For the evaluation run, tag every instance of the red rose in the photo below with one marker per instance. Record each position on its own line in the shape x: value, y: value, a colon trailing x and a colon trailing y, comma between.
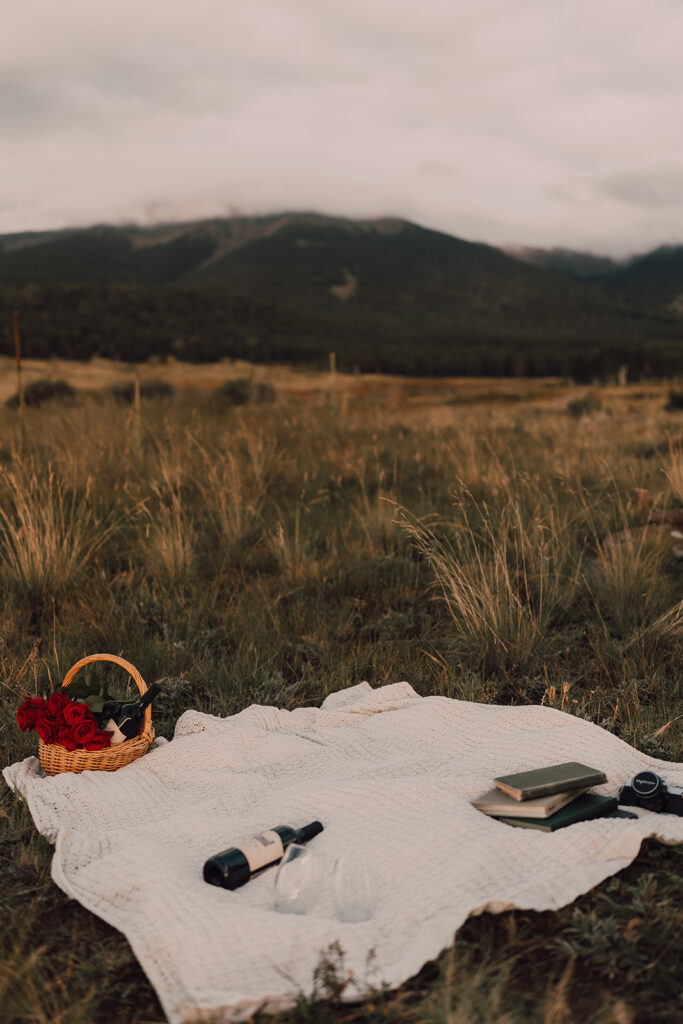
x: 65, y: 739
x: 42, y: 715
x: 46, y: 730
x: 75, y: 713
x: 56, y: 702
x: 84, y: 731
x: 34, y: 702
x: 26, y: 717
x: 100, y: 741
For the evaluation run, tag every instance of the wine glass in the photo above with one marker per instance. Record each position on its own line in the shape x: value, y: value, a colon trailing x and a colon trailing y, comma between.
x: 296, y: 880
x: 352, y: 890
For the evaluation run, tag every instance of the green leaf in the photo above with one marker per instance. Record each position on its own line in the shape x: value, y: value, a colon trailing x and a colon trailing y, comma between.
x: 79, y: 689
x: 95, y: 702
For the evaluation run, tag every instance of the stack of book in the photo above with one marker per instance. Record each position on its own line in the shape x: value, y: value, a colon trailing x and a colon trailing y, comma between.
x: 548, y: 798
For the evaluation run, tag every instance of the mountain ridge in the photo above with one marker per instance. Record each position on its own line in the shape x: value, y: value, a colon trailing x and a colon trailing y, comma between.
x: 384, y: 293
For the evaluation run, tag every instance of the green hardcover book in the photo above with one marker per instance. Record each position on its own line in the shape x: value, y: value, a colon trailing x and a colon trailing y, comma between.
x: 585, y: 807
x: 556, y: 778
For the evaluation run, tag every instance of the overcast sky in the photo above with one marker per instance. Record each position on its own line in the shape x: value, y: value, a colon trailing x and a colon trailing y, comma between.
x: 536, y: 122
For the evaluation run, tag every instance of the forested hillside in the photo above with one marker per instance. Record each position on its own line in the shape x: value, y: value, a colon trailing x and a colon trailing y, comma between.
x: 385, y: 295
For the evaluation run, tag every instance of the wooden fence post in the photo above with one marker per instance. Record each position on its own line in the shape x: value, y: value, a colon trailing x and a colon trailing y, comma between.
x: 20, y: 382
x: 333, y: 382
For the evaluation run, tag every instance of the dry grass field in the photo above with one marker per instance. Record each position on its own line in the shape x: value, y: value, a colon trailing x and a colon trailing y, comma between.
x: 199, y: 379
x: 501, y: 541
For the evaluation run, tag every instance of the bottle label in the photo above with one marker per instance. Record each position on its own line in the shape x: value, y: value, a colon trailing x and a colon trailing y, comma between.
x: 262, y: 850
x: 117, y: 736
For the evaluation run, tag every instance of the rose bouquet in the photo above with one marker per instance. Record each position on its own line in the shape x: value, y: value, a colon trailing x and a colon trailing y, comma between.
x: 59, y: 719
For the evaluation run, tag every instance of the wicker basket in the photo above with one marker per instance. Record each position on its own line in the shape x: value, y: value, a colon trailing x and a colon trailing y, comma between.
x: 54, y: 758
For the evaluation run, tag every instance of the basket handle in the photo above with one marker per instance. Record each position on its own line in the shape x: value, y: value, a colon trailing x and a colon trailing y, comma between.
x: 131, y: 669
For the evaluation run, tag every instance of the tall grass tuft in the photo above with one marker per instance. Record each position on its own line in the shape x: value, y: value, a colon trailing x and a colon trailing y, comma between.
x: 291, y: 548
x: 49, y: 533
x: 169, y: 538
x: 626, y: 583
x: 231, y: 492
x: 674, y: 473
x: 505, y: 579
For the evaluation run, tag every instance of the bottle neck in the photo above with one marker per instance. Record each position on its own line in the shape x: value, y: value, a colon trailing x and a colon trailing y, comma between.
x: 148, y: 696
x: 309, y: 831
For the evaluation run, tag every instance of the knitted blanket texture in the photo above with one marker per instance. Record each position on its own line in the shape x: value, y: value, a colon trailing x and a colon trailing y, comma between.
x: 390, y: 775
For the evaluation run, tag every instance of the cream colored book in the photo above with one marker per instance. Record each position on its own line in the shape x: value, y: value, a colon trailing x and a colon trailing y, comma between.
x: 497, y: 804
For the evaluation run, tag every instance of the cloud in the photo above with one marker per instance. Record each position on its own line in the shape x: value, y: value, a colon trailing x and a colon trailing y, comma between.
x: 505, y: 120
x: 653, y: 187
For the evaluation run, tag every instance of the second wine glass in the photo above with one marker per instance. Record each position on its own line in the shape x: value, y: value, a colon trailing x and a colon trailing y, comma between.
x: 296, y: 880
x: 352, y: 889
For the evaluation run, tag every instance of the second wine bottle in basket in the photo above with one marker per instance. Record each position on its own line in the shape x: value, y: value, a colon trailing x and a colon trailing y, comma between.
x: 127, y: 722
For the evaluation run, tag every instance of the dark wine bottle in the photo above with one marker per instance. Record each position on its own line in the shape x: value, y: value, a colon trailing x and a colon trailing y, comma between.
x: 129, y: 719
x: 232, y: 868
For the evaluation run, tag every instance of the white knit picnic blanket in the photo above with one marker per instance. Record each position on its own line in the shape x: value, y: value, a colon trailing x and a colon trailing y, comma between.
x: 391, y: 776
